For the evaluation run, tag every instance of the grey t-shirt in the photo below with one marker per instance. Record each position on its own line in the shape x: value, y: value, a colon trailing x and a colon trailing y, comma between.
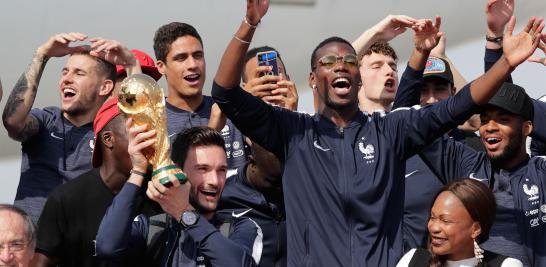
x: 504, y: 236
x: 59, y: 152
x: 179, y: 120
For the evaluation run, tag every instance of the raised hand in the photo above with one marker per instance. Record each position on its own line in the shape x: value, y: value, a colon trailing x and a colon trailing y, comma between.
x: 174, y: 200
x: 440, y: 49
x: 498, y: 13
x: 59, y: 45
x: 140, y: 143
x: 392, y: 26
x: 256, y: 10
x: 541, y: 46
x: 111, y: 51
x: 285, y: 96
x: 427, y: 35
x: 518, y: 48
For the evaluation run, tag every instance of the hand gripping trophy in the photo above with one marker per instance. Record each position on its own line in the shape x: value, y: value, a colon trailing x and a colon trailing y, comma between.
x: 141, y: 99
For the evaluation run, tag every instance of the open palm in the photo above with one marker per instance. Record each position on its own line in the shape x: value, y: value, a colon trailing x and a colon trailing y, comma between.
x: 517, y: 48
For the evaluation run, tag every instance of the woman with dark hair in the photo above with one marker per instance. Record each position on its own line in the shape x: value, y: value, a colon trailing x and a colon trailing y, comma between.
x: 460, y: 219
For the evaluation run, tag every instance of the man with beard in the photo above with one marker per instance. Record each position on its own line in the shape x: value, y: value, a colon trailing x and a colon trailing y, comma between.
x: 343, y: 172
x: 255, y: 191
x: 187, y: 238
x: 516, y: 180
x: 180, y: 58
x: 57, y: 142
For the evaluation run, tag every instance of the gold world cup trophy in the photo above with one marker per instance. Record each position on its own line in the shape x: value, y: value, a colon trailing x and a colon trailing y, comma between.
x: 142, y: 99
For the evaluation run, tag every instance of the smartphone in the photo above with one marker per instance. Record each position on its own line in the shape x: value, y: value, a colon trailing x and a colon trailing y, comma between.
x: 268, y: 58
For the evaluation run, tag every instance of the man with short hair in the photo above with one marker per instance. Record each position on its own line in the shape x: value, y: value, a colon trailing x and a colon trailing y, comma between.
x: 73, y: 211
x: 256, y: 190
x: 17, y: 236
x: 185, y: 236
x: 180, y: 57
x: 57, y: 142
x: 274, y: 89
x: 346, y: 197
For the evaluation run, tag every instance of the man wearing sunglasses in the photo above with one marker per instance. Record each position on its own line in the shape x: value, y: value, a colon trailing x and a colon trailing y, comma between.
x: 343, y: 172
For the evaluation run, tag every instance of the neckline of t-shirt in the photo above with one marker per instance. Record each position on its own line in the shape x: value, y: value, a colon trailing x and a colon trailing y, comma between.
x: 173, y: 108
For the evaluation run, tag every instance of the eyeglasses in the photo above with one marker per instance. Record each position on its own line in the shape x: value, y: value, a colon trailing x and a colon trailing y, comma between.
x: 329, y: 61
x: 14, y: 246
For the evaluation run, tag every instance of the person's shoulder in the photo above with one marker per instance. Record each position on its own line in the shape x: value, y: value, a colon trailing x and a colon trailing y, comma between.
x: 86, y: 181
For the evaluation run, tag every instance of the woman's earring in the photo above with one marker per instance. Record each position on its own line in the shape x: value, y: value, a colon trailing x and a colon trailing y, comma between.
x: 478, y: 252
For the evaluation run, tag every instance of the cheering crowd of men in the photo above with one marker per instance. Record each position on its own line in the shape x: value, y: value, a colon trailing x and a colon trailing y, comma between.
x: 351, y: 185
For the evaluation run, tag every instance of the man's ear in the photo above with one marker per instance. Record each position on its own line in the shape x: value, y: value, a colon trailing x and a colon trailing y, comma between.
x: 107, y: 139
x: 312, y: 81
x: 527, y: 128
x: 106, y: 88
x: 160, y: 66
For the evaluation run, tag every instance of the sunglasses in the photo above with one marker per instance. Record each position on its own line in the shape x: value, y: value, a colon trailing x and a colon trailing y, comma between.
x: 329, y: 61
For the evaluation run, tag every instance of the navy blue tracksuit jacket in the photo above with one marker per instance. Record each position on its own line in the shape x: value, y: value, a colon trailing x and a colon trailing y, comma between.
x: 123, y: 235
x: 240, y: 198
x: 344, y: 187
x: 452, y: 160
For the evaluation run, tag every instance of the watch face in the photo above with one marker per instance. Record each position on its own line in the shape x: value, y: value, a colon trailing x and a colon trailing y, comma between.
x: 189, y: 218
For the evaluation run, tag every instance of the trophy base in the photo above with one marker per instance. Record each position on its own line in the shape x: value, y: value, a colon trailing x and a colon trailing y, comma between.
x: 163, y: 173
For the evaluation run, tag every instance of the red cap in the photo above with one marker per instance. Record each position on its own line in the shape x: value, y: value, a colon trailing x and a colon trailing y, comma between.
x: 107, y: 112
x: 146, y: 63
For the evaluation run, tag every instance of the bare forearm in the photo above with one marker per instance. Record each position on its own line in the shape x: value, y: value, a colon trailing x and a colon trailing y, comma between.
x: 16, y: 117
x: 487, y: 85
x: 418, y: 59
x: 364, y: 41
x: 231, y: 65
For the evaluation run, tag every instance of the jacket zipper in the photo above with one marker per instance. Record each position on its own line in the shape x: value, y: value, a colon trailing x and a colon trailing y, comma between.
x: 346, y: 193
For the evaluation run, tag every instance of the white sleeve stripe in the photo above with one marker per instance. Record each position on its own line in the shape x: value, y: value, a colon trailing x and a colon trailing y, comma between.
x: 258, y: 246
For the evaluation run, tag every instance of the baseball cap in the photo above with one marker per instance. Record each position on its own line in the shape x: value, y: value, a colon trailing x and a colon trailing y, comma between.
x: 107, y: 112
x: 147, y: 65
x: 513, y: 99
x: 438, y: 67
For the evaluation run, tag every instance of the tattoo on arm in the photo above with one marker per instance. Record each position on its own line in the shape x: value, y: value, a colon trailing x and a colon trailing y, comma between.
x: 21, y: 99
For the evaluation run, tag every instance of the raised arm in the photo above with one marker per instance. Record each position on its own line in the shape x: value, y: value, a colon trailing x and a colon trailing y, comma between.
x: 115, y: 53
x: 19, y: 123
x: 516, y: 49
x: 119, y: 235
x: 426, y: 37
x: 230, y: 68
x: 385, y: 30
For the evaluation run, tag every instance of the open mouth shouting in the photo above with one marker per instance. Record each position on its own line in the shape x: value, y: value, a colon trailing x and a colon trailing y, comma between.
x: 389, y: 85
x: 341, y: 86
x: 210, y: 194
x: 68, y: 93
x: 192, y: 79
x: 492, y: 142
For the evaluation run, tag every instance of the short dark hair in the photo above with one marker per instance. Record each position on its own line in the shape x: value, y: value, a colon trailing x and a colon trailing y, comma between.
x: 168, y: 33
x: 382, y: 48
x: 105, y: 68
x: 195, y: 136
x: 30, y: 226
x: 254, y: 51
x: 333, y: 39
